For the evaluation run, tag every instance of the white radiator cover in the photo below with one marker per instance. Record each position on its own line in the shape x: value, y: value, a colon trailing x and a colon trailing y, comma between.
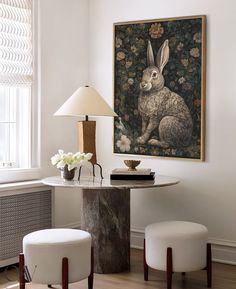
x: 20, y: 214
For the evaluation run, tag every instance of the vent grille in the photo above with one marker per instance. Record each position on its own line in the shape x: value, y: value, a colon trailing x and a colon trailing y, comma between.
x: 19, y: 215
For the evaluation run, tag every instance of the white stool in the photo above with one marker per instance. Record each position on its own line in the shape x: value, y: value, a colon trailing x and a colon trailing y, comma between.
x: 56, y: 256
x: 177, y: 246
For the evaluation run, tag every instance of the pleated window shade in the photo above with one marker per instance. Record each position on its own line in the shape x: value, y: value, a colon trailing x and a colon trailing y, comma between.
x: 16, y: 50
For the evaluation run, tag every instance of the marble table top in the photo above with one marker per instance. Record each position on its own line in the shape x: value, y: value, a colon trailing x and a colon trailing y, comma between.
x: 98, y: 183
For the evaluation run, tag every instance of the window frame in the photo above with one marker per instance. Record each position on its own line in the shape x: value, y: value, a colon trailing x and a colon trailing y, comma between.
x: 34, y: 172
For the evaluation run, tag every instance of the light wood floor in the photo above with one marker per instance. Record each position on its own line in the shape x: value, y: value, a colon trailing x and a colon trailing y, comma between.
x: 224, y: 277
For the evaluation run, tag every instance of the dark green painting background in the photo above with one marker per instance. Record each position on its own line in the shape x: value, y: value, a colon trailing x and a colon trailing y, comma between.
x: 182, y: 75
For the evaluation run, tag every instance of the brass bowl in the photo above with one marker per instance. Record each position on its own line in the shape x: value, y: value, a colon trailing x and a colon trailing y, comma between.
x: 132, y: 164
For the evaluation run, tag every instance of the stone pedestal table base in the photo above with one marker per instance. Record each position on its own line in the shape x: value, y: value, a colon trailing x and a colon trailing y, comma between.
x: 106, y: 215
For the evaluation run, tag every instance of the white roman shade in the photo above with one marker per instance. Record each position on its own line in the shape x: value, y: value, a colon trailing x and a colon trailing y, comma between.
x: 16, y: 59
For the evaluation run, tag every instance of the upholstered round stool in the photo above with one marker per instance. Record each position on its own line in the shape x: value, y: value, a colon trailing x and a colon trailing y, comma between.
x: 177, y: 246
x: 56, y: 256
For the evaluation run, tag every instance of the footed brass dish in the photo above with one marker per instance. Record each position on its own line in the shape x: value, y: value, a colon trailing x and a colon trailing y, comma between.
x: 132, y: 164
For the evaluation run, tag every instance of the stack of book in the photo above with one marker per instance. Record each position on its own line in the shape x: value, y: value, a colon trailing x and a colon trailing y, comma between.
x: 125, y: 174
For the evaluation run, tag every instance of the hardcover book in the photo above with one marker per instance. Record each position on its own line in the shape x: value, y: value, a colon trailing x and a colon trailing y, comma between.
x: 150, y: 176
x: 124, y: 171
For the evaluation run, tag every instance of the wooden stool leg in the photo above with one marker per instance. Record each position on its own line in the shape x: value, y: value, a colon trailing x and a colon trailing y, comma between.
x: 169, y: 268
x: 21, y: 271
x: 145, y: 265
x: 65, y: 273
x: 90, y: 277
x: 209, y: 266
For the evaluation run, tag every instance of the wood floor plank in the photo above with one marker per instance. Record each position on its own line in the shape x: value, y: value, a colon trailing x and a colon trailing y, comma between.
x: 224, y: 277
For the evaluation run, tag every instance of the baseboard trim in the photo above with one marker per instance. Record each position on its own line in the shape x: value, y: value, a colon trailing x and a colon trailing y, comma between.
x: 223, y: 251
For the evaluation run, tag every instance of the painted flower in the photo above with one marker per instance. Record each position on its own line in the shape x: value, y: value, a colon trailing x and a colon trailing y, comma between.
x: 156, y: 30
x: 132, y: 74
x: 125, y: 77
x: 187, y: 86
x: 181, y: 80
x: 185, y: 62
x: 197, y: 102
x: 118, y: 42
x: 128, y: 64
x: 142, y: 150
x: 119, y: 124
x: 180, y: 46
x: 172, y: 84
x: 194, y: 52
x: 130, y: 81
x: 125, y: 87
x: 134, y: 49
x: 180, y: 73
x: 140, y: 42
x: 123, y: 144
x: 120, y: 56
x: 197, y: 37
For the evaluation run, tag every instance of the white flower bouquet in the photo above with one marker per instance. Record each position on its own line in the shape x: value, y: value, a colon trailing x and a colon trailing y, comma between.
x: 62, y: 159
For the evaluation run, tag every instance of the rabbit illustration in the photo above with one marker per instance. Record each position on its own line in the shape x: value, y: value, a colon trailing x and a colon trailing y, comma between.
x: 160, y: 108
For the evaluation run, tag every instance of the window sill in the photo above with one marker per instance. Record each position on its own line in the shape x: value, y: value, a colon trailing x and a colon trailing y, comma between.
x: 8, y: 176
x: 21, y: 185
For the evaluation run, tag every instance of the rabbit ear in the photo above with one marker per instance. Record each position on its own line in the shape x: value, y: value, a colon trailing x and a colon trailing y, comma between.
x: 163, y: 55
x: 150, y: 56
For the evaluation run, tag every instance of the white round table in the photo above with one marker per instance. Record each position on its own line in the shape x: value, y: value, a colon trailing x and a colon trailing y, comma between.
x: 105, y: 213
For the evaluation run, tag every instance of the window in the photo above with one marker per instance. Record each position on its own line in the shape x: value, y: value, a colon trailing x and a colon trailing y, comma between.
x: 16, y: 84
x: 15, y: 127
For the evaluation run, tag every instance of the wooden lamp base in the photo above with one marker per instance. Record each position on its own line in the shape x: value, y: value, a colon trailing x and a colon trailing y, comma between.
x: 87, y: 138
x: 87, y: 142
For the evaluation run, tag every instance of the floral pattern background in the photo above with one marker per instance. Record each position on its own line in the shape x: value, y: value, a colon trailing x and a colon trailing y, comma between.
x: 182, y: 75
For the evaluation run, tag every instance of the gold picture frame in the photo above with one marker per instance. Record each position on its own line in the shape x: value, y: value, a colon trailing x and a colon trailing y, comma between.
x: 159, y: 87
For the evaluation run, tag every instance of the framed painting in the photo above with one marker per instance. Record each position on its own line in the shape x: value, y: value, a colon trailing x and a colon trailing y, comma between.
x: 159, y: 87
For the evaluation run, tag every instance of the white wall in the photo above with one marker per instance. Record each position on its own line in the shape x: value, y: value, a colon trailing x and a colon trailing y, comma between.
x: 207, y: 191
x: 64, y: 67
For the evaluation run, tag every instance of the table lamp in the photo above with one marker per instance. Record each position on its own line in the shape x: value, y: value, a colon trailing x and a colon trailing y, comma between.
x: 86, y: 101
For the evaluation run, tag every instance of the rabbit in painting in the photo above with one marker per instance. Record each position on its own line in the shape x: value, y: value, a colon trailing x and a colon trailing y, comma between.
x: 160, y: 107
